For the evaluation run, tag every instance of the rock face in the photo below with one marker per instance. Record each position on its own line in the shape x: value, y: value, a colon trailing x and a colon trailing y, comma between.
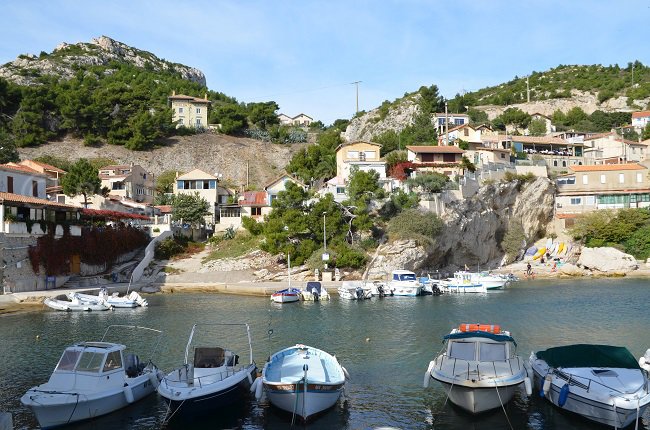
x: 607, y: 261
x: 370, y: 125
x: 473, y: 230
x: 99, y: 52
x: 401, y: 254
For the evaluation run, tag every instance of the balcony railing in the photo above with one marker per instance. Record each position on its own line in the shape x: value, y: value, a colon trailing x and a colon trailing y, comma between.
x: 20, y: 228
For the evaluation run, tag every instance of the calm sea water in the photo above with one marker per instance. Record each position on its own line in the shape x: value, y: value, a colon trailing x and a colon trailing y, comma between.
x: 386, y: 345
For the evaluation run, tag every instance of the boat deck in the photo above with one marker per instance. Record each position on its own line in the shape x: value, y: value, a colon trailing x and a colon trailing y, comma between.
x: 289, y: 368
x: 623, y: 381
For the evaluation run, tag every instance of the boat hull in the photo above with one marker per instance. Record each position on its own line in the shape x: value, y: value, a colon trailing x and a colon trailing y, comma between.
x: 285, y: 298
x: 192, y: 401
x: 293, y: 398
x: 477, y: 400
x: 56, y: 409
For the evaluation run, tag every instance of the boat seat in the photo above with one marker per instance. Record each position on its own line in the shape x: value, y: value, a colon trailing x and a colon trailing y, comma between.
x: 207, y: 357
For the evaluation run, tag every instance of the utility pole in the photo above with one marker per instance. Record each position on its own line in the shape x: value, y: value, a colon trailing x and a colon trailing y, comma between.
x: 446, y: 126
x: 356, y: 83
x: 528, y: 90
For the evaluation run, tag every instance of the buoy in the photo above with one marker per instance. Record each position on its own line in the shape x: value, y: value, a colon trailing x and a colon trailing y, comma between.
x: 564, y: 394
x: 641, y: 360
x: 367, y: 339
x: 528, y: 385
x: 547, y: 385
x: 38, y: 337
x: 259, y: 390
x: 128, y: 393
x: 254, y: 384
x: 345, y: 372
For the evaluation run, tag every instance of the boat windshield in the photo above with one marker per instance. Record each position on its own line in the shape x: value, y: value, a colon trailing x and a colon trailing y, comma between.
x: 90, y: 362
x: 492, y: 351
x: 68, y: 360
x: 113, y: 361
x: 404, y: 277
x: 462, y: 350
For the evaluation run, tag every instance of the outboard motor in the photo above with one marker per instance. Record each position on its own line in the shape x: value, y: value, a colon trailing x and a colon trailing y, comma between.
x: 314, y: 292
x: 436, y: 291
x: 359, y: 293
x: 380, y: 290
x: 132, y: 365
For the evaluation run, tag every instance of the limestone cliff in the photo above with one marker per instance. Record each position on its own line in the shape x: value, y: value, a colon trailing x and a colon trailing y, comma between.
x: 474, y: 229
x: 66, y: 58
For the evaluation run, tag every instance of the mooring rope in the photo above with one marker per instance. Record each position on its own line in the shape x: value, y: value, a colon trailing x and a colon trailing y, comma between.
x: 496, y: 387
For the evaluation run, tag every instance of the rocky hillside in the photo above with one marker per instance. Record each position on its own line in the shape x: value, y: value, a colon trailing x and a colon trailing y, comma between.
x: 473, y: 230
x: 212, y: 153
x: 65, y: 58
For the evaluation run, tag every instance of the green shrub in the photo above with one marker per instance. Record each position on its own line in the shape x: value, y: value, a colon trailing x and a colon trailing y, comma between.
x: 513, y: 241
x: 639, y: 243
x: 168, y: 248
x: 255, y: 228
x: 415, y: 224
x: 350, y: 257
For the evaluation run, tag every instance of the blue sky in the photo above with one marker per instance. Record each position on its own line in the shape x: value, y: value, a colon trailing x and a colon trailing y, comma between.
x: 305, y: 54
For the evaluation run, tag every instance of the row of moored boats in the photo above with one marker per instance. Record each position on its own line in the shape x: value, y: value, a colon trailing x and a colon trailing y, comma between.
x: 101, y: 302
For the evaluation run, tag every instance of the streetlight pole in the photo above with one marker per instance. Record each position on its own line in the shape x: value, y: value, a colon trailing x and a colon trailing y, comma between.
x: 446, y: 126
x: 324, y: 235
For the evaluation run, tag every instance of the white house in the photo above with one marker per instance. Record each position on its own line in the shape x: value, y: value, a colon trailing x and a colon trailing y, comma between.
x: 207, y: 185
x: 640, y: 119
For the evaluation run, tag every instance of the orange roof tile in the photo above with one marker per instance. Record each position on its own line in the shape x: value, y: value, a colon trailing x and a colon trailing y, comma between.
x: 20, y: 168
x: 45, y: 166
x: 641, y: 114
x: 188, y: 98
x: 607, y: 167
x: 253, y: 198
x: 441, y: 149
x: 19, y: 198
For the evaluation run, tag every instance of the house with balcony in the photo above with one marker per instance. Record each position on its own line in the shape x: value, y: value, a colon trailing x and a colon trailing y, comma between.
x: 640, y: 120
x: 443, y: 121
x: 189, y: 111
x: 477, y: 151
x: 131, y: 182
x: 207, y: 185
x: 442, y: 159
x: 603, y: 186
x: 54, y: 176
x: 610, y: 148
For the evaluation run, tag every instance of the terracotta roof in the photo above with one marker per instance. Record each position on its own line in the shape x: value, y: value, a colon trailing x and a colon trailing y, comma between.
x: 21, y: 168
x: 458, y: 127
x: 253, y: 198
x: 641, y: 114
x: 617, y: 138
x: 115, y: 167
x: 45, y: 166
x: 355, y: 142
x: 188, y: 98
x: 567, y: 216
x: 19, y: 198
x: 282, y: 176
x: 440, y: 149
x: 165, y: 209
x: 606, y: 167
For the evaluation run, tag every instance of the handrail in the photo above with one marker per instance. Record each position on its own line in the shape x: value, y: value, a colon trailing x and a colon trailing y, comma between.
x: 441, y: 358
x: 223, y: 374
x: 571, y: 380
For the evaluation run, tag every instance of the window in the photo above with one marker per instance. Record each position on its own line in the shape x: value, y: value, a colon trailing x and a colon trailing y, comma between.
x: 503, y: 155
x: 554, y: 163
x: 113, y: 361
x: 459, y: 121
x: 621, y: 178
x: 427, y: 158
x: 353, y: 154
x: 34, y: 188
x: 90, y: 361
x: 576, y: 200
x: 585, y: 180
x: 206, y: 184
x: 449, y: 158
x: 492, y: 351
x: 180, y: 110
x: 603, y: 179
x: 198, y: 121
x: 370, y: 155
x: 441, y: 121
x: 256, y: 211
x: 466, y: 132
x: 68, y: 360
x: 462, y: 350
x: 10, y: 184
x: 564, y: 163
x: 639, y: 177
x: 213, y: 184
x: 180, y: 121
x: 198, y: 110
x: 340, y: 190
x: 180, y: 185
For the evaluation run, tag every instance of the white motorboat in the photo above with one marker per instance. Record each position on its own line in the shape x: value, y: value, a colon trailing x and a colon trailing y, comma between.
x: 404, y: 283
x: 354, y: 290
x: 644, y: 361
x: 490, y: 281
x: 430, y: 286
x: 602, y: 383
x: 479, y: 368
x: 314, y: 291
x: 211, y: 376
x: 132, y: 300
x: 75, y: 305
x: 302, y: 380
x: 92, y: 379
x: 288, y: 295
x: 462, y: 282
x: 378, y: 289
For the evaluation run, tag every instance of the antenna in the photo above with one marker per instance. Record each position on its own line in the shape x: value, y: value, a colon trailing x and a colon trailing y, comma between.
x: 357, y: 85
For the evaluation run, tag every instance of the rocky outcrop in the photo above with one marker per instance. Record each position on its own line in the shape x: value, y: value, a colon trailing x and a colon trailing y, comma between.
x: 607, y: 261
x: 368, y: 126
x: 401, y: 254
x: 66, y: 58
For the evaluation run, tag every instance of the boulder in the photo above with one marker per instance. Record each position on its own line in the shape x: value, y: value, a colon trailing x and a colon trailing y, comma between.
x: 401, y: 254
x: 608, y: 261
x: 569, y: 269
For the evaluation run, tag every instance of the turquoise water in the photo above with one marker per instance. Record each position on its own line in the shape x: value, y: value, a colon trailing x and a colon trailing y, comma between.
x: 386, y: 345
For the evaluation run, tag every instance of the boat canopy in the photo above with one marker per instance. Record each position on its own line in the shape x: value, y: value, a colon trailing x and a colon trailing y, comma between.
x: 468, y: 334
x: 586, y: 355
x: 313, y: 284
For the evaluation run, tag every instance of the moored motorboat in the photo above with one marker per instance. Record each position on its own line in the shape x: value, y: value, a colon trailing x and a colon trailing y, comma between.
x: 132, y: 300
x: 479, y: 368
x: 92, y: 379
x: 644, y: 361
x: 354, y: 290
x: 288, y: 295
x: 404, y: 283
x: 602, y: 383
x: 210, y: 376
x: 314, y: 291
x: 76, y: 305
x: 462, y: 282
x: 302, y: 380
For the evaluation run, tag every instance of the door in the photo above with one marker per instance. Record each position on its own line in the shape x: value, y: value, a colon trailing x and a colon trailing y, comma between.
x: 75, y: 264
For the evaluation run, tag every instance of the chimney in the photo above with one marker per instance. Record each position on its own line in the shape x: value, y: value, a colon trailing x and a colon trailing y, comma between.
x: 205, y: 97
x: 173, y: 92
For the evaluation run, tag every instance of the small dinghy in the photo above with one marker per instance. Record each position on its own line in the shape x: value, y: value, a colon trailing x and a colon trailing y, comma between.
x: 479, y: 368
x: 76, y: 305
x: 602, y: 383
x: 92, y: 379
x: 288, y: 295
x: 211, y: 376
x: 301, y: 380
x: 132, y: 300
x: 314, y: 291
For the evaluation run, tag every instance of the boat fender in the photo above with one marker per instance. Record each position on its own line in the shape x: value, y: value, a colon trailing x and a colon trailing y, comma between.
x: 345, y: 372
x: 528, y: 385
x: 153, y: 378
x: 250, y: 378
x: 546, y: 386
x: 128, y: 394
x: 254, y: 384
x: 427, y: 376
x: 564, y: 394
x: 259, y: 390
